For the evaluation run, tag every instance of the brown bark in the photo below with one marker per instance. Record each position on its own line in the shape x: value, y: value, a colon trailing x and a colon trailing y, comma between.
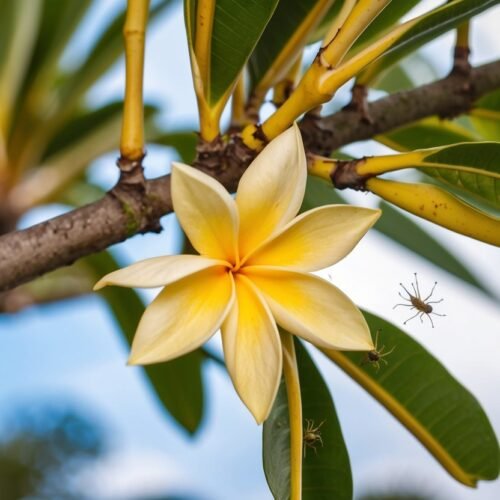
x: 130, y: 209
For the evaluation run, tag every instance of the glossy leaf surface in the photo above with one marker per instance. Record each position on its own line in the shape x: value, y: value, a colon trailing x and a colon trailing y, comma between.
x: 326, y: 468
x: 421, y: 393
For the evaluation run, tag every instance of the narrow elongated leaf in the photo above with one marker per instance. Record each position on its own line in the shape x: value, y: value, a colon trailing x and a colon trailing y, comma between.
x: 419, y: 31
x: 438, y: 206
x: 427, y: 133
x: 428, y: 401
x: 284, y: 37
x: 326, y: 472
x: 18, y: 27
x: 105, y: 52
x: 183, y: 141
x: 473, y: 167
x: 485, y: 116
x: 59, y: 21
x: 178, y: 384
x: 383, y: 22
x: 412, y: 71
x: 237, y: 26
x: 402, y: 230
x: 319, y: 193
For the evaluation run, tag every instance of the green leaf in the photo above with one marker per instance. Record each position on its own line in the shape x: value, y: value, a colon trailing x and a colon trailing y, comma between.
x: 403, y: 231
x: 184, y: 142
x: 18, y: 27
x: 473, y: 167
x: 413, y: 71
x: 177, y: 384
x: 383, y: 22
x: 424, y: 134
x: 59, y: 22
x: 485, y: 116
x: 285, y: 36
x: 318, y: 193
x: 326, y: 473
x: 104, y: 53
x: 424, y: 29
x: 237, y: 26
x: 276, y: 446
x: 428, y: 401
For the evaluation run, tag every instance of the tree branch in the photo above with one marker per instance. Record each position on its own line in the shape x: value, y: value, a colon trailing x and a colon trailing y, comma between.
x: 128, y: 210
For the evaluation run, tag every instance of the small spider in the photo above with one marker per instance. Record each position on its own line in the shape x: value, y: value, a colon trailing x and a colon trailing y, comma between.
x: 423, y: 307
x: 312, y: 435
x: 377, y: 355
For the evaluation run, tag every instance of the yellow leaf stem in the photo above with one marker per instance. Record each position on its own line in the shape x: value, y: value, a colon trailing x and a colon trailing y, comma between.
x: 323, y: 78
x: 291, y: 374
x: 134, y: 32
x: 438, y: 206
x: 402, y: 414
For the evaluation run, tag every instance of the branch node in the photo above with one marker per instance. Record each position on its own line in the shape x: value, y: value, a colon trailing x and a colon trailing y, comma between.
x: 131, y: 171
x: 359, y: 103
x: 345, y: 176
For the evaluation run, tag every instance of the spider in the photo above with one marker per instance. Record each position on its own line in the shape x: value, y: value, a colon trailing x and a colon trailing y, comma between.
x: 423, y: 307
x: 312, y: 435
x: 377, y: 355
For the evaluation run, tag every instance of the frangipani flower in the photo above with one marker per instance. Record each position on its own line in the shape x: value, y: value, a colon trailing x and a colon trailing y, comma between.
x: 252, y: 272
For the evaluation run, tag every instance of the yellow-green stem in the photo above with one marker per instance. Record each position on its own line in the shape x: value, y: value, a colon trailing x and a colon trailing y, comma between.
x: 238, y: 115
x: 321, y: 167
x: 291, y: 373
x: 339, y: 20
x: 134, y: 31
x: 321, y: 81
x: 203, y: 36
x: 359, y: 18
x: 284, y: 88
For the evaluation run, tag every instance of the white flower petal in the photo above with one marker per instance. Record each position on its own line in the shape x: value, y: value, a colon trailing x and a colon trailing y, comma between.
x: 252, y: 349
x: 206, y: 212
x: 312, y: 308
x: 158, y: 271
x: 316, y: 239
x: 271, y: 190
x: 183, y: 316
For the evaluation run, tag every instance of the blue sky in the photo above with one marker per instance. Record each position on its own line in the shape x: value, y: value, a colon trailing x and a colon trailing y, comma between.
x: 73, y: 351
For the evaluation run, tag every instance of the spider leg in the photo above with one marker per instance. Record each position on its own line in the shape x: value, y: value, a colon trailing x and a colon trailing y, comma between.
x: 430, y: 319
x: 389, y: 352
x: 409, y: 294
x: 384, y: 361
x: 403, y: 297
x: 442, y: 315
x: 421, y: 315
x: 404, y: 305
x: 432, y: 291
x: 411, y: 318
x: 376, y: 338
x: 435, y: 301
x: 415, y: 291
x: 416, y: 281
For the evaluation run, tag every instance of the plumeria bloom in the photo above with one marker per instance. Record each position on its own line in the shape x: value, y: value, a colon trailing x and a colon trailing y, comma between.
x: 252, y: 272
